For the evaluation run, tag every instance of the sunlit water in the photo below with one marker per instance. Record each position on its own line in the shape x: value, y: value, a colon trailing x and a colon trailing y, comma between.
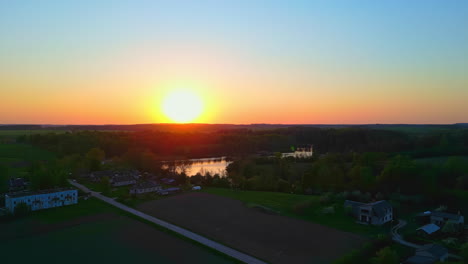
x: 208, y: 165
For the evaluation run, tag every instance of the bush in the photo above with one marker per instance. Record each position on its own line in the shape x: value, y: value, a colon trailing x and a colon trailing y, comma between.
x: 22, y: 209
x: 300, y: 208
x: 328, y: 210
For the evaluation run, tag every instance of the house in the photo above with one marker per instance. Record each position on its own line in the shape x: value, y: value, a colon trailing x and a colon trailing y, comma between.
x: 441, y: 218
x: 41, y: 199
x: 168, y: 181
x: 428, y: 254
x: 145, y: 187
x: 122, y: 180
x: 428, y: 229
x: 96, y: 176
x: 169, y: 191
x: 376, y: 213
x: 17, y: 184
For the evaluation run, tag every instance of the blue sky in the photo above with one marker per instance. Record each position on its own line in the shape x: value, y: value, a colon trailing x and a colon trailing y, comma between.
x: 366, y: 51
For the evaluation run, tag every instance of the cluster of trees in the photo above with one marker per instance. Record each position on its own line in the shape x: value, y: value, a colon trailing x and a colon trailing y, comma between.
x: 241, y: 142
x: 354, y: 158
x: 367, y: 172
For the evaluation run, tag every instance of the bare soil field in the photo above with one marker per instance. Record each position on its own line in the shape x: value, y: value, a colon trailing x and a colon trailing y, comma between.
x: 99, y: 238
x: 274, y: 238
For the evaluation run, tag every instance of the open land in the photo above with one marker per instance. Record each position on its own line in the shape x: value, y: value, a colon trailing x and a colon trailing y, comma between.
x: 274, y: 238
x: 93, y: 232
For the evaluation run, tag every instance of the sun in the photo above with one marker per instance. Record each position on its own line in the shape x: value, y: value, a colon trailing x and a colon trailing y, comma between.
x: 182, y: 106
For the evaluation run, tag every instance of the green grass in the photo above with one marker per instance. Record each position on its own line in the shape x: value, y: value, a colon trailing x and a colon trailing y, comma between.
x: 305, y: 207
x: 83, y: 208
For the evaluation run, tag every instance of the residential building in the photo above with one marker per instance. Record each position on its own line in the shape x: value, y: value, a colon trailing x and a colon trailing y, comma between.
x: 168, y: 181
x: 17, y: 184
x: 145, y: 187
x: 428, y: 229
x: 41, y: 199
x: 122, y: 180
x: 428, y: 254
x: 376, y: 213
x: 441, y: 218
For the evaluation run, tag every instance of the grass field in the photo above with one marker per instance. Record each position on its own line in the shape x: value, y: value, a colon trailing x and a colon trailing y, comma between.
x: 94, y: 232
x: 306, y: 207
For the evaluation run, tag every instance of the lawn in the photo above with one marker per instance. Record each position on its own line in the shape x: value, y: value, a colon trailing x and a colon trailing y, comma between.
x: 306, y: 207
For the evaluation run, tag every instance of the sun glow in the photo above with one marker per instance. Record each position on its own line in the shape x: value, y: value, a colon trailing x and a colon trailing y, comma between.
x: 182, y: 106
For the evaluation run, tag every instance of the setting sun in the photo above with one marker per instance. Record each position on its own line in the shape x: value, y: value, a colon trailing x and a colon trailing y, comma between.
x: 182, y: 106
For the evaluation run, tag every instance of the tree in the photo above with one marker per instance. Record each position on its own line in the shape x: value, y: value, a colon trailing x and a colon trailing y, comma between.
x: 450, y: 228
x: 3, y: 179
x: 386, y: 256
x: 105, y: 182
x: 22, y: 209
x: 464, y: 252
x: 94, y: 157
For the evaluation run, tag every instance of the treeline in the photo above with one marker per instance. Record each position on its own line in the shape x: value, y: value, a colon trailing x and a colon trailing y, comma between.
x: 241, y: 142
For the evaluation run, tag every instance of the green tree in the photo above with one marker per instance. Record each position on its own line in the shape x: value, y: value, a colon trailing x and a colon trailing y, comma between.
x: 105, y: 185
x: 4, y: 176
x: 386, y: 256
x: 94, y: 157
x: 464, y: 252
x: 22, y: 209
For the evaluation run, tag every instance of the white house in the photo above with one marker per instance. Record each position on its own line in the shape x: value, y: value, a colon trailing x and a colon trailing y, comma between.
x: 376, y: 213
x: 41, y: 199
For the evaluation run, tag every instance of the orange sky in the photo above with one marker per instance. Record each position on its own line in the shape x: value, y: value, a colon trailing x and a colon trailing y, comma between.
x: 77, y: 63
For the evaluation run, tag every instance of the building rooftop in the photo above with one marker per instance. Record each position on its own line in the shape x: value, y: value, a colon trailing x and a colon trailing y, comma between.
x: 429, y: 228
x: 29, y: 193
x: 450, y: 216
x: 433, y: 249
x: 145, y: 185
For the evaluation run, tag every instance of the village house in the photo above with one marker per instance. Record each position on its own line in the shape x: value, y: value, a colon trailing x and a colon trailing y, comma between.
x: 145, y: 187
x: 441, y: 218
x: 376, y: 213
x: 122, y: 180
x: 428, y: 229
x: 17, y: 184
x: 41, y: 199
x: 428, y: 254
x: 96, y: 176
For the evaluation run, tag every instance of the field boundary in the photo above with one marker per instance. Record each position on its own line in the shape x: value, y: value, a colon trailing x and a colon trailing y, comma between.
x: 181, y: 231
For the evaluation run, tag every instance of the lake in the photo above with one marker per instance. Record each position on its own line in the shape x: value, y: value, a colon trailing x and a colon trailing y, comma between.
x: 193, y: 166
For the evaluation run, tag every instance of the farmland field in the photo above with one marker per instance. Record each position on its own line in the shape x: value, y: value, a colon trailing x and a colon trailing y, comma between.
x: 274, y: 238
x: 93, y: 232
x: 305, y: 207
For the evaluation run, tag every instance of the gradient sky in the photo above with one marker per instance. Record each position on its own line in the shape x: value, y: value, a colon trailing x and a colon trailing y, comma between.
x: 102, y: 62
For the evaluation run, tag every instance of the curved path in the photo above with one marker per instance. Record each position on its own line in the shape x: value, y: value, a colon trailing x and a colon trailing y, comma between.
x: 200, y: 239
x: 399, y: 239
